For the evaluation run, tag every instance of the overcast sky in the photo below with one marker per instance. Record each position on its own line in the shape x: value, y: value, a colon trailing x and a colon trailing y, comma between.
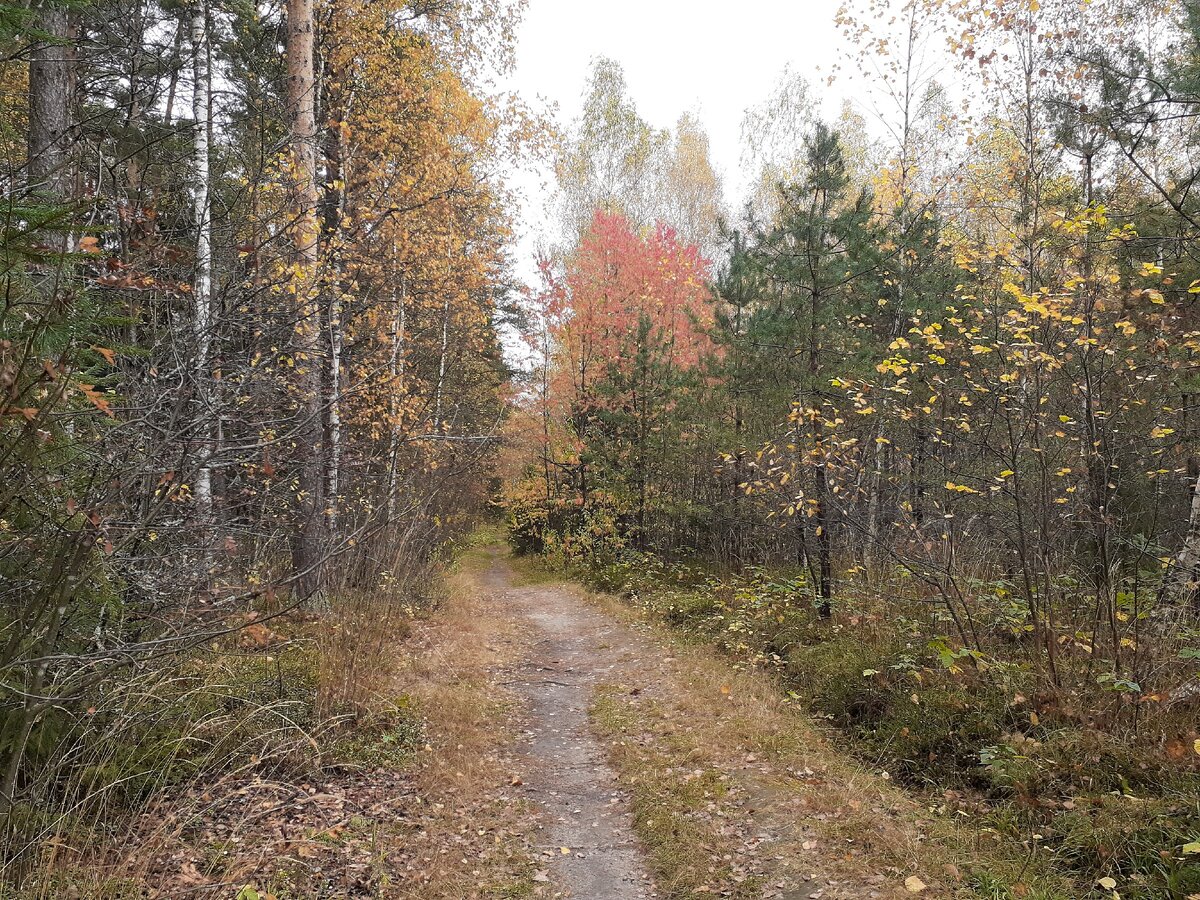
x: 712, y: 59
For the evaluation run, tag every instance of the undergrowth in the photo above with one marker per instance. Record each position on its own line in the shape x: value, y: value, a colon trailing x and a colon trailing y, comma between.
x: 292, y: 699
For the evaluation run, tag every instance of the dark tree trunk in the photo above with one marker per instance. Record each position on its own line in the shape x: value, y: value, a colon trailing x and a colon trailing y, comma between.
x: 307, y: 547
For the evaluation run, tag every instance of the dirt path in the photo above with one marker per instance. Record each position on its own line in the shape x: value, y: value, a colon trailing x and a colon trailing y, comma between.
x: 659, y: 770
x: 587, y: 835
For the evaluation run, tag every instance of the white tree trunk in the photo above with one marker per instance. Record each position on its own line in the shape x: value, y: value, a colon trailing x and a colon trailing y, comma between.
x: 1188, y: 558
x: 202, y: 284
x: 396, y: 367
x: 441, y: 381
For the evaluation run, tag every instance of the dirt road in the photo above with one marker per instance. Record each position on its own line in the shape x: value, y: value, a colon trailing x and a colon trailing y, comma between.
x: 571, y: 748
x: 735, y: 795
x: 587, y: 833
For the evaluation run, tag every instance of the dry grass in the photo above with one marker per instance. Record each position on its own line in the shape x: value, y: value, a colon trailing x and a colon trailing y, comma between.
x: 475, y: 840
x: 400, y: 783
x: 830, y: 821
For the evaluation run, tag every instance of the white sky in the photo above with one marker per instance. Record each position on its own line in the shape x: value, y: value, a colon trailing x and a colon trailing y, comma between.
x: 712, y: 59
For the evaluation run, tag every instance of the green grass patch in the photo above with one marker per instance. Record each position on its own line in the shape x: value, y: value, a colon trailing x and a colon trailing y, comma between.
x: 673, y: 805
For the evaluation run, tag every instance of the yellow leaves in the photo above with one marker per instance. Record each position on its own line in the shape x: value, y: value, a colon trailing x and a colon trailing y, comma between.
x: 895, y: 365
x: 1126, y: 327
x: 1194, y: 287
x: 1149, y: 270
x: 1159, y: 432
x: 980, y: 349
x: 960, y: 488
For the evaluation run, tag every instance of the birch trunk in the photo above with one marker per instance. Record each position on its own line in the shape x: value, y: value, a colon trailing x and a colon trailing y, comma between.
x: 333, y: 462
x: 202, y: 283
x: 441, y: 380
x: 1187, y: 560
x: 396, y: 368
x: 334, y: 210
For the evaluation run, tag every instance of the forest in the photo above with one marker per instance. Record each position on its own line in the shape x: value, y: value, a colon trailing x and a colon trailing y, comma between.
x: 847, y: 519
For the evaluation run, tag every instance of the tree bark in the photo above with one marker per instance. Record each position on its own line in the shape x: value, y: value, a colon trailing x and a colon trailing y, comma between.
x: 334, y: 210
x: 301, y: 96
x: 49, y: 170
x: 396, y: 370
x: 441, y: 379
x: 202, y: 282
x: 1187, y: 560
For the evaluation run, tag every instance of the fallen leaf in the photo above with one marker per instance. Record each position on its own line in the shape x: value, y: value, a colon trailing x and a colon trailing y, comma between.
x: 914, y: 885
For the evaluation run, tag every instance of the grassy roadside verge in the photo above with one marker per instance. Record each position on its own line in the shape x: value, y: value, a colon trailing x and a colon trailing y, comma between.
x: 736, y: 792
x: 404, y: 796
